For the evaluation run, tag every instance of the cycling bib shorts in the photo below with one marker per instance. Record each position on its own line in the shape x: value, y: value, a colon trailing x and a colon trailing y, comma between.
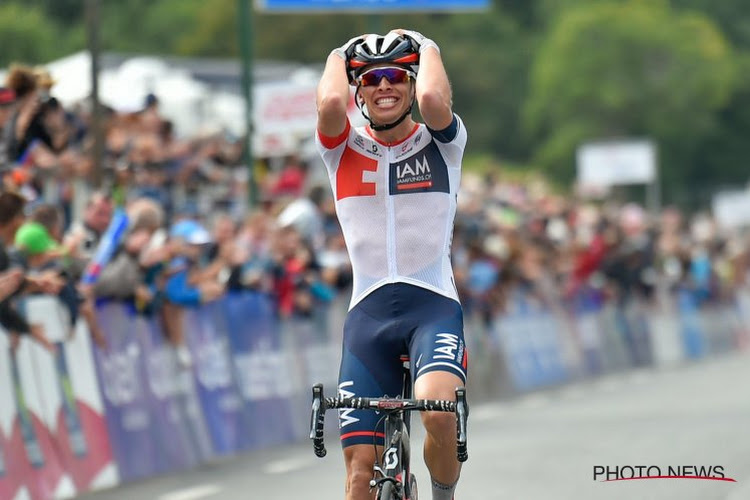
x: 392, y: 322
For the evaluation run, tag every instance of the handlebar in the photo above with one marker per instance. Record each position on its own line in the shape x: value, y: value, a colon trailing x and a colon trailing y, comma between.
x: 321, y: 403
x: 317, y: 422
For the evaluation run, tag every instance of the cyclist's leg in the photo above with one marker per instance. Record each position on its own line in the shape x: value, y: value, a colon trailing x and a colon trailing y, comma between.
x: 370, y: 367
x: 440, y: 362
x: 440, y: 441
x: 359, y: 459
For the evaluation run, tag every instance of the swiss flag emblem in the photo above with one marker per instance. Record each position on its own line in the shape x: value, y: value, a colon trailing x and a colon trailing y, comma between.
x: 349, y: 175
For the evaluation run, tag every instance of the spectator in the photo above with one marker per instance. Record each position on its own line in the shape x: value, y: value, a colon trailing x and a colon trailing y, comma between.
x: 305, y: 214
x: 186, y: 285
x: 255, y: 240
x: 291, y: 180
x: 7, y: 102
x: 128, y: 276
x: 11, y: 319
x: 83, y: 237
x: 38, y: 242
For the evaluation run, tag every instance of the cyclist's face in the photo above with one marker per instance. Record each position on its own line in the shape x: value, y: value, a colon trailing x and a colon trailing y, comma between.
x: 388, y: 97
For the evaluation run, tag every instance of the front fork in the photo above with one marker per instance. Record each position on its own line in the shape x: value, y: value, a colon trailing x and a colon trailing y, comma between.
x: 396, y: 458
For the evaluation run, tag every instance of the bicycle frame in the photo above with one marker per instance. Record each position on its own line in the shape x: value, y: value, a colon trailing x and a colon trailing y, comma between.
x: 397, y: 452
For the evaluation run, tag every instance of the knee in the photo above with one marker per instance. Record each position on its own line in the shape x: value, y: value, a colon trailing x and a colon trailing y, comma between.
x: 440, y: 426
x: 358, y: 478
x: 359, y: 471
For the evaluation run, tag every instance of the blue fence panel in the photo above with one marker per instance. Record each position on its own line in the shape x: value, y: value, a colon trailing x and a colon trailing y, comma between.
x: 122, y: 372
x: 218, y: 393
x: 263, y: 368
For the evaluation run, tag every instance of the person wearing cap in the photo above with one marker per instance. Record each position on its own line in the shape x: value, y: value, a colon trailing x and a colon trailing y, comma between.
x: 40, y: 253
x: 183, y: 287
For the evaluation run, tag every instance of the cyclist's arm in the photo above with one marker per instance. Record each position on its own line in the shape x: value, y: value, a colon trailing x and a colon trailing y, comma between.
x: 333, y: 97
x: 434, y: 90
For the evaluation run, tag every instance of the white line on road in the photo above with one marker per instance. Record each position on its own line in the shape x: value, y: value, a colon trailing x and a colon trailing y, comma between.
x: 202, y: 491
x: 288, y: 465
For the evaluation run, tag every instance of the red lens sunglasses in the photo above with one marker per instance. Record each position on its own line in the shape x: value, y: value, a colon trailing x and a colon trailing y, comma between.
x: 392, y: 74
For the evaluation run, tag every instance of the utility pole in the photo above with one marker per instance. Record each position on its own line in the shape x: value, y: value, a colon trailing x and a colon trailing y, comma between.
x: 92, y: 31
x: 245, y: 21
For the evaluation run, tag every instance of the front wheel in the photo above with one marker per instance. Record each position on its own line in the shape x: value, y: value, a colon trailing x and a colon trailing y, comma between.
x: 412, y: 487
x: 388, y: 492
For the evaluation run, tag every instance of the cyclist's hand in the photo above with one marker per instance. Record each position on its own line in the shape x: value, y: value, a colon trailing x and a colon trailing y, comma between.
x: 422, y: 41
x: 344, y: 52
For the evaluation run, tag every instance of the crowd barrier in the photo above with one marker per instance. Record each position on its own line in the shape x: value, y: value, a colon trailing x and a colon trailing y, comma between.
x: 86, y: 418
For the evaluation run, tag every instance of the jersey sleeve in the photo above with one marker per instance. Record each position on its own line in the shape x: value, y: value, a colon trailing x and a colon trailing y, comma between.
x: 331, y: 148
x: 451, y: 141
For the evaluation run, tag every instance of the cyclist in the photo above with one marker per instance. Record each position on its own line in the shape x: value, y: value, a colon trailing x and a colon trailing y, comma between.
x: 395, y: 183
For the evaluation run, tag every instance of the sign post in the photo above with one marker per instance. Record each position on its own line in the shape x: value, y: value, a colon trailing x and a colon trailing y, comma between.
x: 605, y: 164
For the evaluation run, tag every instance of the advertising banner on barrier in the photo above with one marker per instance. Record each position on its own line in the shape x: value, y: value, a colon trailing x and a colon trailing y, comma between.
x: 40, y: 470
x: 183, y: 437
x: 73, y: 406
x: 122, y: 373
x: 13, y: 458
x: 533, y: 351
x: 219, y: 397
x: 262, y: 369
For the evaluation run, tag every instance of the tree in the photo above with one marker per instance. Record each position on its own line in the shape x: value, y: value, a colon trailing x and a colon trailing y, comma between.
x: 636, y: 68
x: 27, y: 36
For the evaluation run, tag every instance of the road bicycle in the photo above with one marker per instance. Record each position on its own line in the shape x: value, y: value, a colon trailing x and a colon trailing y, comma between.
x: 392, y: 474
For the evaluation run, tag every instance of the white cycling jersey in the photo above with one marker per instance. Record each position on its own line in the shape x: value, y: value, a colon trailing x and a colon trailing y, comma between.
x: 396, y: 204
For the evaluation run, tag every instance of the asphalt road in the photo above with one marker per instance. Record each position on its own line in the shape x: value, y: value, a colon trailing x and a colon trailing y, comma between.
x: 541, y: 446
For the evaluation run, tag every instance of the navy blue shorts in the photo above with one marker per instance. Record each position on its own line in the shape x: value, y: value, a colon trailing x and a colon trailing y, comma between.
x: 392, y: 323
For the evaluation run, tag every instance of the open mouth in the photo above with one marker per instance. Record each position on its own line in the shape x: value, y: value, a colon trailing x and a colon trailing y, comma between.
x: 386, y: 102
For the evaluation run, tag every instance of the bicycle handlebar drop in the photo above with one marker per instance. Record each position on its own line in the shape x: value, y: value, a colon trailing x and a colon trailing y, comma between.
x: 317, y: 423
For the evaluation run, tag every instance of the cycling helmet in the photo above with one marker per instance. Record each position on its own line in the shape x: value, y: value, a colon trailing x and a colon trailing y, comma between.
x: 393, y: 49
x: 378, y: 49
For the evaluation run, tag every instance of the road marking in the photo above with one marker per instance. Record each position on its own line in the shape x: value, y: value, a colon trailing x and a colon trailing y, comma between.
x: 202, y: 491
x: 287, y: 465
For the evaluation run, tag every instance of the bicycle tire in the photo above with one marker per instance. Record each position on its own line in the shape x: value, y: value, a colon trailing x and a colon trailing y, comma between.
x: 413, y: 487
x: 387, y: 492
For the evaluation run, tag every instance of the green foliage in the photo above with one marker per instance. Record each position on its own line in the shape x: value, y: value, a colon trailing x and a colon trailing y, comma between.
x: 628, y: 69
x: 733, y: 16
x: 28, y: 36
x: 144, y: 26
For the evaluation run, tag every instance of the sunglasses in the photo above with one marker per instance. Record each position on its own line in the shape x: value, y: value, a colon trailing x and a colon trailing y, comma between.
x: 392, y: 74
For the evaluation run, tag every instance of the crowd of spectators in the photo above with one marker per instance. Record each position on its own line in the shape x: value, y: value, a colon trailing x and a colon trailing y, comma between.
x: 192, y: 238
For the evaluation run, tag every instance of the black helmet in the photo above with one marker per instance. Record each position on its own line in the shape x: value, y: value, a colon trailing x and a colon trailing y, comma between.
x: 377, y: 49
